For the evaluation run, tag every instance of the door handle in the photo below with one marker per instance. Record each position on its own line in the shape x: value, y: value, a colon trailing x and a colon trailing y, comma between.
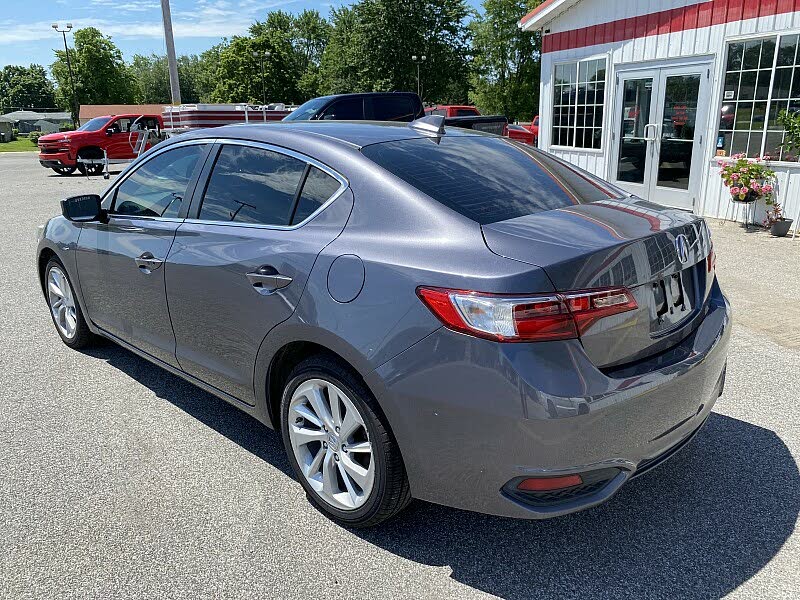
x: 147, y: 262
x: 130, y: 228
x: 266, y: 280
x: 655, y: 136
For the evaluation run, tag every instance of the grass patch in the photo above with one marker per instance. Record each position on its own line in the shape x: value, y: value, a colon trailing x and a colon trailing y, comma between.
x: 19, y: 145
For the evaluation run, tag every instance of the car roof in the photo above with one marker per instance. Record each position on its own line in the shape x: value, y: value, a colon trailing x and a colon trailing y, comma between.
x: 354, y: 134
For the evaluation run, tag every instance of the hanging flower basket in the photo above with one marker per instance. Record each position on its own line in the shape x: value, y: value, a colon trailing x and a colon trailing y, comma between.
x: 747, y: 179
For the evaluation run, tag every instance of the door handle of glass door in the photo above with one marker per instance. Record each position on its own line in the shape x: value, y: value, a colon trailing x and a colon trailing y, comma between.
x: 654, y: 136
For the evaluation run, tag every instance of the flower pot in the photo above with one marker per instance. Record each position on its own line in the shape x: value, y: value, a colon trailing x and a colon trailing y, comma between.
x: 781, y: 228
x: 751, y: 196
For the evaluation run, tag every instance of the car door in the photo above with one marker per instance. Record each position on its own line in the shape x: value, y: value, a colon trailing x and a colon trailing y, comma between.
x: 240, y: 264
x: 120, y: 262
x: 116, y: 145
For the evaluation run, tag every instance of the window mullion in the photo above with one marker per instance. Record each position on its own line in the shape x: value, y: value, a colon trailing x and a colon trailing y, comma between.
x: 769, y: 93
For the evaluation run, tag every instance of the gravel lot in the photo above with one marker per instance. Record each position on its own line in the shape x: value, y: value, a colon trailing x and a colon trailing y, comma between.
x: 120, y: 480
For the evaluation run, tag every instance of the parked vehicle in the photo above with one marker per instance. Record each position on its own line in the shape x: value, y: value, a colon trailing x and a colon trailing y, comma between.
x: 117, y: 135
x: 373, y: 106
x: 452, y: 110
x: 420, y: 311
x: 520, y: 134
x: 534, y: 127
x: 469, y: 117
x: 185, y: 117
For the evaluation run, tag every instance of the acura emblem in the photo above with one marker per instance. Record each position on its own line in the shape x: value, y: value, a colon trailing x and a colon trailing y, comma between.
x: 682, y: 246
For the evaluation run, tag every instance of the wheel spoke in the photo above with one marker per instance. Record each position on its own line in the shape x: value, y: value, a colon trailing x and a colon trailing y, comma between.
x: 313, y: 468
x: 336, y: 406
x: 355, y: 471
x: 318, y: 403
x: 69, y: 319
x: 350, y: 424
x: 304, y: 435
x: 329, y: 484
x: 54, y: 289
x: 360, y: 447
x: 348, y: 483
x: 308, y: 414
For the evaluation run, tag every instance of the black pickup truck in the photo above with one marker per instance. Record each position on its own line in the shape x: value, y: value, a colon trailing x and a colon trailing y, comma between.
x: 385, y: 106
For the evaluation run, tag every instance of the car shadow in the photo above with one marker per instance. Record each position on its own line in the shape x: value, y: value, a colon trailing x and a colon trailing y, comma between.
x: 698, y: 526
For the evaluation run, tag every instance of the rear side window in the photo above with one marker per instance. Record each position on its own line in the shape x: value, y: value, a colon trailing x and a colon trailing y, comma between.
x: 317, y: 189
x: 392, y: 108
x: 466, y: 112
x: 346, y: 109
x: 488, y: 179
x: 158, y: 187
x: 252, y: 185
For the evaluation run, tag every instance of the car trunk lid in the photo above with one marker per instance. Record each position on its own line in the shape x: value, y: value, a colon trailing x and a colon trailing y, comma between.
x: 659, y: 254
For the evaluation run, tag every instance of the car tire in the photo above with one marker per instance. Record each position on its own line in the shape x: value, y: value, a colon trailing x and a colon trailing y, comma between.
x: 67, y: 316
x: 389, y: 490
x: 64, y: 170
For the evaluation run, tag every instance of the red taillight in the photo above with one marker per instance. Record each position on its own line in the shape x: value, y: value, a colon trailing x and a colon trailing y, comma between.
x: 558, y: 316
x: 548, y: 484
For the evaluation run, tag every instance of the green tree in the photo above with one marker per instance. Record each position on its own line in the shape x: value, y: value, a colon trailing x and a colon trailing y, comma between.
x: 151, y: 78
x: 25, y: 87
x: 101, y: 75
x: 385, y: 35
x: 340, y: 64
x: 507, y: 61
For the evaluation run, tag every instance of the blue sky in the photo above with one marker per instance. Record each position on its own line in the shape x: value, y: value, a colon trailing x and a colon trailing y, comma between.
x: 135, y: 25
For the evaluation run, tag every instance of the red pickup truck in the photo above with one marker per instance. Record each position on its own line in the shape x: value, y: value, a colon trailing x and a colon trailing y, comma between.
x: 118, y: 135
x: 462, y: 115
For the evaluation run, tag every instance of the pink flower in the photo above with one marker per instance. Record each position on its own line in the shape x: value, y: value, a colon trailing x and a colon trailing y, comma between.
x: 766, y: 157
x: 735, y: 176
x: 721, y: 164
x: 755, y: 186
x: 768, y: 188
x: 734, y: 190
x: 744, y: 189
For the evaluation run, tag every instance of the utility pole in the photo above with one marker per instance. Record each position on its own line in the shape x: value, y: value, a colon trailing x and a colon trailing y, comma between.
x: 75, y: 106
x: 418, y: 60
x: 174, y: 84
x: 261, y: 55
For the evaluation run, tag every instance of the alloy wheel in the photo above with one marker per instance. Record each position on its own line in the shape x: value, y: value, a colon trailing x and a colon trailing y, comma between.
x: 62, y: 302
x: 331, y: 444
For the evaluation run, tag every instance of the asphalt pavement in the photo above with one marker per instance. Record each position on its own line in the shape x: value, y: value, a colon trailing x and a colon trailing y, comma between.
x: 119, y: 480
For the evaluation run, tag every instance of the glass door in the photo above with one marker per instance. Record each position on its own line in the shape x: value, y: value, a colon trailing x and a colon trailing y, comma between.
x: 660, y: 127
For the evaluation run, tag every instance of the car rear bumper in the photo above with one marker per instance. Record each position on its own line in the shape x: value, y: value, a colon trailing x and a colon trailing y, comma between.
x: 473, y: 417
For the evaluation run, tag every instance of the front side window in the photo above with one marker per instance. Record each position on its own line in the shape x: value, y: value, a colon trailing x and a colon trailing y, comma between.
x: 578, y: 97
x: 762, y: 80
x: 158, y: 187
x: 346, y: 109
x: 252, y: 185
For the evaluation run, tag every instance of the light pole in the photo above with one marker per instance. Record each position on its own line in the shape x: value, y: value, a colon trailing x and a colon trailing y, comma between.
x: 418, y: 60
x: 261, y: 56
x: 63, y: 33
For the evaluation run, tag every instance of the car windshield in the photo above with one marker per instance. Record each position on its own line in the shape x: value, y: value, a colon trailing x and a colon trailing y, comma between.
x: 94, y: 125
x: 488, y: 179
x: 305, y: 111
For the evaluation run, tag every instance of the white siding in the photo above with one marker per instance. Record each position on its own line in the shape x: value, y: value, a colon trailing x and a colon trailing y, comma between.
x: 594, y: 12
x: 706, y: 42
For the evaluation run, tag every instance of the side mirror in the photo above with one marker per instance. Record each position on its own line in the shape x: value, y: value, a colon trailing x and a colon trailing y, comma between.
x: 109, y: 131
x: 82, y: 209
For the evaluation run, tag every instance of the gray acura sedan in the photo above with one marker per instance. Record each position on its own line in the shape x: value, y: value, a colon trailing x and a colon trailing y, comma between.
x: 421, y: 312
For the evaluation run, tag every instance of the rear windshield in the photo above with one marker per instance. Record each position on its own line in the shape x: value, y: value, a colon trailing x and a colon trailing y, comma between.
x: 305, y: 111
x: 488, y: 179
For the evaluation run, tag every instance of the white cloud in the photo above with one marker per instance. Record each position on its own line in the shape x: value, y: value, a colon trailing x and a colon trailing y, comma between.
x: 212, y: 19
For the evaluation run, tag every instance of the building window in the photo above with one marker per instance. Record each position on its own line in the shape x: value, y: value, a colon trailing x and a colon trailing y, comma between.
x: 762, y: 79
x: 578, y: 98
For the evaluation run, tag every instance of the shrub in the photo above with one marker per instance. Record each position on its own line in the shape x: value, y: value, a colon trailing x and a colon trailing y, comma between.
x: 14, y: 134
x: 34, y: 136
x: 67, y: 127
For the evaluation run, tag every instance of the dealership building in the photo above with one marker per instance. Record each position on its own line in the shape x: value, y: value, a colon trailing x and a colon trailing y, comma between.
x: 649, y: 94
